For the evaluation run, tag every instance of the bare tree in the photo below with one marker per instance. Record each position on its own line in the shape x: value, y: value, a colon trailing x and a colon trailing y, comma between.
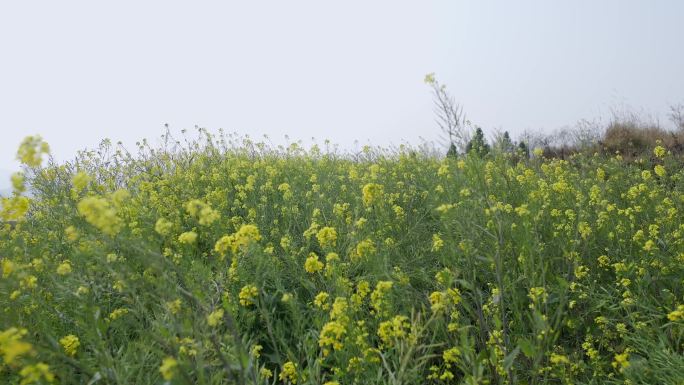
x: 450, y: 116
x: 677, y: 116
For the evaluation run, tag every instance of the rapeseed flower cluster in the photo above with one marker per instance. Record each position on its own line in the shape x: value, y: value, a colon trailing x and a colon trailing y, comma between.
x: 379, y: 296
x: 215, y: 318
x: 201, y: 211
x: 372, y: 193
x: 245, y: 236
x: 188, y: 237
x: 395, y: 329
x: 100, y: 213
x: 14, y: 208
x: 70, y: 344
x: 312, y: 264
x: 677, y: 314
x: 327, y: 237
x: 18, y: 183
x: 442, y: 300
x: 36, y: 374
x: 168, y: 368
x: 31, y: 151
x: 248, y: 294
x: 332, y: 335
x: 12, y: 345
x: 163, y: 227
x: 289, y: 372
x: 80, y: 181
x: 64, y: 268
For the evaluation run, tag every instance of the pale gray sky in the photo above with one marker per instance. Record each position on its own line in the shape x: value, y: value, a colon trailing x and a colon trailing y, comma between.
x: 78, y: 71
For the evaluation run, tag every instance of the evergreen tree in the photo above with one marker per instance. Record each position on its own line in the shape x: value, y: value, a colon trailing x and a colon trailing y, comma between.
x: 523, y: 150
x: 503, y: 143
x: 452, y: 152
x: 478, y: 144
x: 507, y: 143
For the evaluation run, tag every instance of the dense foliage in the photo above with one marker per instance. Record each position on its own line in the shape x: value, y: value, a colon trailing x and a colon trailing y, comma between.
x: 219, y: 261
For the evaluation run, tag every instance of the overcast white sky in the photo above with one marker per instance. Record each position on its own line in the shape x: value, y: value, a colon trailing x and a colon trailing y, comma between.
x: 79, y: 71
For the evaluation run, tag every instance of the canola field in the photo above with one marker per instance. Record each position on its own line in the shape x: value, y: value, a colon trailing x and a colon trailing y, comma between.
x: 222, y: 260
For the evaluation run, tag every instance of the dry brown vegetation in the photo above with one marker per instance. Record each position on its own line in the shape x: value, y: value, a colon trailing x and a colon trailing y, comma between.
x: 631, y: 139
x: 628, y: 134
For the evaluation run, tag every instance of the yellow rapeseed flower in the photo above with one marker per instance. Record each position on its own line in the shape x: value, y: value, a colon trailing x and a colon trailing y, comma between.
x: 215, y: 318
x: 163, y: 227
x: 429, y: 78
x: 265, y: 373
x: 7, y: 268
x: 70, y: 344
x: 202, y: 212
x: 31, y: 151
x: 332, y: 335
x: 188, y: 237
x: 117, y: 313
x: 99, y: 213
x: 437, y: 242
x: 71, y: 233
x: 174, y: 306
x: 245, y: 236
x: 82, y: 290
x: 289, y: 372
x: 378, y: 295
x: 321, y: 300
x: 256, y: 351
x: 14, y: 208
x: 364, y: 249
x: 396, y: 328
x: 312, y: 264
x: 168, y: 368
x: 537, y: 295
x: 676, y: 315
x: 18, y: 182
x: 80, y: 181
x: 621, y: 361
x: 339, y: 309
x: 36, y: 374
x: 558, y: 359
x: 247, y: 295
x: 452, y: 355
x: 372, y: 193
x: 11, y: 345
x: 327, y: 237
x: 64, y: 268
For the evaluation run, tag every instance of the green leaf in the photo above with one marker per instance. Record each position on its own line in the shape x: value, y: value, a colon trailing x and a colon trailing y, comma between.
x: 510, y: 358
x: 527, y: 348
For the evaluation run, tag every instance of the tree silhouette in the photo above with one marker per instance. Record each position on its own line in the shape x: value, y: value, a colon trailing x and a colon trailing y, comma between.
x: 523, y: 150
x: 452, y: 152
x: 478, y: 144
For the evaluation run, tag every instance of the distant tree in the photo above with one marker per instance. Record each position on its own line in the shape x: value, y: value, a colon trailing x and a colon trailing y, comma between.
x: 503, y: 143
x: 507, y: 143
x: 478, y: 144
x: 453, y: 151
x: 523, y: 150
